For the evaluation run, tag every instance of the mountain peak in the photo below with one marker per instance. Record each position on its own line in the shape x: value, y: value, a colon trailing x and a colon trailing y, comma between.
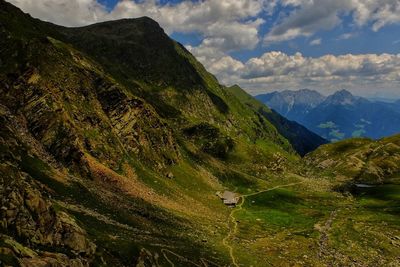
x: 291, y: 102
x: 303, y: 96
x: 342, y: 97
x: 127, y: 27
x: 343, y: 93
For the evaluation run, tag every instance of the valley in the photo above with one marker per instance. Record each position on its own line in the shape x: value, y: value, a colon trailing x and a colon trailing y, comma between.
x: 305, y: 224
x: 115, y: 140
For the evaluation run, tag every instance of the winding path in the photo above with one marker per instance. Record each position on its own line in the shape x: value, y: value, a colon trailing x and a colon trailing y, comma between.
x: 323, y: 241
x: 232, y: 219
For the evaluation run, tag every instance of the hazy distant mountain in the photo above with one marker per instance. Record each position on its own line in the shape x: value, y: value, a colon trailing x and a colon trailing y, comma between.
x: 338, y: 116
x: 382, y: 99
x: 293, y: 104
x: 343, y: 98
x: 393, y: 105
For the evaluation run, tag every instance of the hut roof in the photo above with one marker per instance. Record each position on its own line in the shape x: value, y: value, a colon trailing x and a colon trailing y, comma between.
x: 229, y: 198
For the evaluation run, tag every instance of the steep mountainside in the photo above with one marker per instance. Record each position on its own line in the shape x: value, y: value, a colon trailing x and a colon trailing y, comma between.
x: 116, y: 144
x: 300, y: 137
x: 101, y: 151
x: 338, y: 116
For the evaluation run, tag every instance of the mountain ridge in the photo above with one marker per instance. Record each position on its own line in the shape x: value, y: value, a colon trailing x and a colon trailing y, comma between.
x: 115, y: 149
x: 340, y: 115
x: 301, y: 101
x: 300, y: 137
x: 112, y: 156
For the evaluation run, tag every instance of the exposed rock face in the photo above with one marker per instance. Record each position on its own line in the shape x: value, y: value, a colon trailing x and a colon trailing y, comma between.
x: 96, y: 122
x: 33, y: 220
x: 28, y: 214
x: 136, y: 124
x: 15, y: 254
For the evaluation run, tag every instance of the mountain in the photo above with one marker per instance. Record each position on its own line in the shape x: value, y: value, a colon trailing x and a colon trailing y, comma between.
x: 117, y: 147
x: 394, y: 106
x: 301, y: 138
x: 382, y: 99
x: 343, y: 98
x: 292, y: 104
x: 114, y: 142
x: 340, y: 115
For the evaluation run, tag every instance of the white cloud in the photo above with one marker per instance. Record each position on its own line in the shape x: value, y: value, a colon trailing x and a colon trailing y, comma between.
x: 363, y: 74
x: 226, y: 24
x: 311, y: 16
x: 316, y: 42
x: 64, y: 12
x: 346, y: 36
x: 379, y: 12
x: 307, y: 19
x: 230, y: 25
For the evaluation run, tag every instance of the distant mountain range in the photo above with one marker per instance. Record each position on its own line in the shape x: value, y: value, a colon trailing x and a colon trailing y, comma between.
x: 115, y: 141
x: 338, y: 116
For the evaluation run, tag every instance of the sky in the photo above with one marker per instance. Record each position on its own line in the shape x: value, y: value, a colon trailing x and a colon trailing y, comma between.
x: 266, y: 45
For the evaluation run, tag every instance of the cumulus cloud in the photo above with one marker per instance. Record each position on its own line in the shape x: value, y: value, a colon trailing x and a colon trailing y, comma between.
x: 226, y: 24
x: 68, y: 12
x: 311, y: 16
x: 305, y: 21
x: 230, y: 25
x: 277, y: 70
x: 380, y: 12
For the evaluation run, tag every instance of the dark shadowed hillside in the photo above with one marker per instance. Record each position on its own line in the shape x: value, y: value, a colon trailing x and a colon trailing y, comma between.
x: 117, y: 147
x: 109, y: 132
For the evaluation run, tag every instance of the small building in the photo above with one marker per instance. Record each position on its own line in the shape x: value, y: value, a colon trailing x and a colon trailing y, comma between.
x: 228, y: 198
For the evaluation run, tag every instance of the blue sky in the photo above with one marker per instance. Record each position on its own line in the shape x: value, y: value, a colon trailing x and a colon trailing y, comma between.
x: 266, y: 45
x: 365, y: 40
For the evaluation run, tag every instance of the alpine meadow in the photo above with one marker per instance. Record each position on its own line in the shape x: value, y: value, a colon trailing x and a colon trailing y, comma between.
x: 163, y: 133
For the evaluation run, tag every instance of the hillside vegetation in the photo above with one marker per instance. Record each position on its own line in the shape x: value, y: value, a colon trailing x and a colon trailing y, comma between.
x: 360, y: 160
x: 115, y: 140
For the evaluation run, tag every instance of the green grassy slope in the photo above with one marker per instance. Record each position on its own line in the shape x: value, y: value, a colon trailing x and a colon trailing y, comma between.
x: 138, y: 52
x: 113, y: 159
x: 302, y: 140
x: 130, y: 179
x: 360, y: 160
x: 305, y: 222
